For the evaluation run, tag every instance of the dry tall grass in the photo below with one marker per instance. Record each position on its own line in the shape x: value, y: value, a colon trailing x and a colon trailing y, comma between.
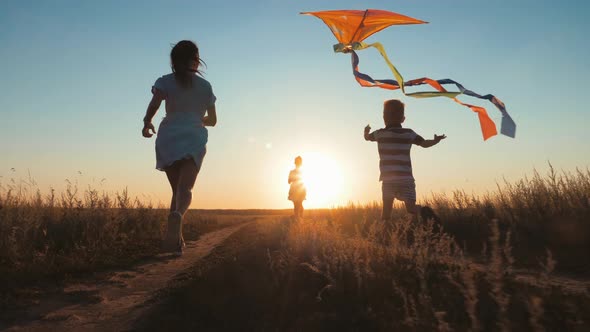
x: 466, y: 277
x: 76, y: 230
x: 412, y: 277
x: 542, y: 212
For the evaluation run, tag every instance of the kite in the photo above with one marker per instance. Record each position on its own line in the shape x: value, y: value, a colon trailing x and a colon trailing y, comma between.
x: 351, y: 27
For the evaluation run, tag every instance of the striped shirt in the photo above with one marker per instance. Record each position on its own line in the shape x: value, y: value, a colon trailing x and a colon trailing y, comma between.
x: 394, y: 143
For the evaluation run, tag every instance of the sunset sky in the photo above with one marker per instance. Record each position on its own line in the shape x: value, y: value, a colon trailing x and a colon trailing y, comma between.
x: 76, y: 79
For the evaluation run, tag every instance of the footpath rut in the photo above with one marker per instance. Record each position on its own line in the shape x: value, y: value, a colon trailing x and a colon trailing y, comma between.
x: 115, y: 303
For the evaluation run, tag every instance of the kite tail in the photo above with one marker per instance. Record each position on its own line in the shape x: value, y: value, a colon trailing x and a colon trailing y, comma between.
x: 488, y: 128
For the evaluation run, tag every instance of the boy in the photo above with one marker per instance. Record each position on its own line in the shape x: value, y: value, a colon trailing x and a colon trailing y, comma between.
x: 394, y: 143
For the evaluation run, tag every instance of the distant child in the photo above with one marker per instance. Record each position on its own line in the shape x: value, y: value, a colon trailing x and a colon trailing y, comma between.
x: 297, y: 192
x: 394, y: 144
x: 182, y: 136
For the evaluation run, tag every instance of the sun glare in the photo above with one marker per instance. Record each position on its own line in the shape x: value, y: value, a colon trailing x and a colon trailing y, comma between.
x: 322, y: 178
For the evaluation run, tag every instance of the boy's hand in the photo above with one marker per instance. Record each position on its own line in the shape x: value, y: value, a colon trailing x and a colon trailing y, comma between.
x: 438, y: 138
x: 368, y: 136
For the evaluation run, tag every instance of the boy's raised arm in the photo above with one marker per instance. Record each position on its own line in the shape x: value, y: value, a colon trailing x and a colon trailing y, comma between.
x: 430, y: 142
x: 369, y: 136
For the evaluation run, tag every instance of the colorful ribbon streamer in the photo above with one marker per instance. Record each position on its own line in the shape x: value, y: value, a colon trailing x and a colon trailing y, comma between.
x: 488, y: 128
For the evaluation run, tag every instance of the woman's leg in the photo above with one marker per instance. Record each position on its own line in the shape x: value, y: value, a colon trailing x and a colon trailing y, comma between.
x: 172, y: 173
x: 181, y: 175
x: 188, y: 172
x: 171, y: 238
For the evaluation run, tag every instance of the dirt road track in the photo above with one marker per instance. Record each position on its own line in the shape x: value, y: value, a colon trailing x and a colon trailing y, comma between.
x: 114, y: 304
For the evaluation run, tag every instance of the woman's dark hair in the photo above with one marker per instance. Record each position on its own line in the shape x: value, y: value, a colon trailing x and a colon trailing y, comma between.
x: 298, y: 161
x: 181, y: 56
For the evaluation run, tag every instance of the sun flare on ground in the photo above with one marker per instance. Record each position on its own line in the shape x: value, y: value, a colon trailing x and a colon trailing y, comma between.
x: 323, y: 179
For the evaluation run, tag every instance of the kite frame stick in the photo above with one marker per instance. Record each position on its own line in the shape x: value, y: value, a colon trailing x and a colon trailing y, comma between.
x: 359, y: 27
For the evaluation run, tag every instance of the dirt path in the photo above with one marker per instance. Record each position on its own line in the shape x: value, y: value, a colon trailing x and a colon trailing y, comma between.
x: 113, y: 304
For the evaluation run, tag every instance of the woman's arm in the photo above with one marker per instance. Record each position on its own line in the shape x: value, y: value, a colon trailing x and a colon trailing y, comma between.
x: 149, y: 115
x: 211, y: 118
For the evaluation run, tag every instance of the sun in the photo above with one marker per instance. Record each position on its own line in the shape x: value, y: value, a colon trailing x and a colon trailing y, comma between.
x: 322, y: 178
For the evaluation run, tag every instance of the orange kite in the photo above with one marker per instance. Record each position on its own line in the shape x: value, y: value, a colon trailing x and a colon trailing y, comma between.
x: 351, y: 27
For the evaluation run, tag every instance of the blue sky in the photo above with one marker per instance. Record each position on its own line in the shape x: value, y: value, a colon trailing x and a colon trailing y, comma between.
x: 77, y: 77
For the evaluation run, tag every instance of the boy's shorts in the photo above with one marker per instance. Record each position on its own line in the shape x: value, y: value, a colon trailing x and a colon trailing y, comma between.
x: 402, y: 190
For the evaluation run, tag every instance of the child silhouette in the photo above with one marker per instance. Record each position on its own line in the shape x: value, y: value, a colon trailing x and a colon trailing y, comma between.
x: 297, y: 191
x: 394, y: 144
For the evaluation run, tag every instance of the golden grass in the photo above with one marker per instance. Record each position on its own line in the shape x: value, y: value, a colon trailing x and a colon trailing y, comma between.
x: 427, y: 279
x: 78, y: 230
x: 410, y: 277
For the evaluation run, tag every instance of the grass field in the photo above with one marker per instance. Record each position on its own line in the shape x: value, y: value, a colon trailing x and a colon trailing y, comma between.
x: 515, y: 259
